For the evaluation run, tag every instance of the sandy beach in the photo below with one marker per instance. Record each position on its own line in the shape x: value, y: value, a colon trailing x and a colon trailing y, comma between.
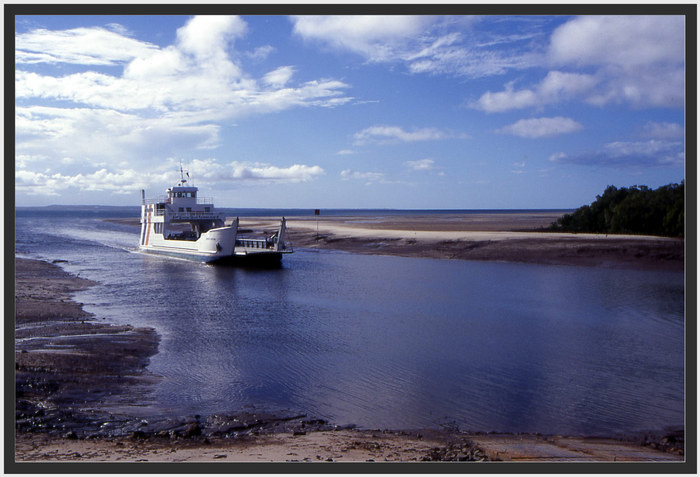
x: 506, y: 237
x: 510, y: 237
x: 66, y: 359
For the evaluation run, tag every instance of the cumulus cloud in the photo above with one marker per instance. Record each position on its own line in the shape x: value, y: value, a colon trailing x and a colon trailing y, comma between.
x: 557, y: 86
x: 390, y: 134
x: 279, y: 77
x: 126, y: 180
x: 663, y: 130
x: 368, y: 177
x: 620, y: 41
x: 421, y: 165
x: 206, y: 36
x: 211, y: 172
x: 541, y: 127
x: 48, y: 183
x: 640, y: 59
x: 260, y: 53
x: 628, y: 155
x: 165, y: 101
x: 633, y: 60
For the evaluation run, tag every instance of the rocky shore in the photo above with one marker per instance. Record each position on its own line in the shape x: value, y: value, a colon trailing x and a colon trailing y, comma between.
x: 68, y: 364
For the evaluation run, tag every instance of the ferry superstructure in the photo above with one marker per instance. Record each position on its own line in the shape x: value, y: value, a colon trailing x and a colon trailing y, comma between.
x: 182, y: 224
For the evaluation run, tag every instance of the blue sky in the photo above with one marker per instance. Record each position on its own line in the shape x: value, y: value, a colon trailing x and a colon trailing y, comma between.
x: 463, y: 112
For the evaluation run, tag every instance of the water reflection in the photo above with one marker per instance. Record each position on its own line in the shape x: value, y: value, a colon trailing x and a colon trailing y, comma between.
x: 403, y: 343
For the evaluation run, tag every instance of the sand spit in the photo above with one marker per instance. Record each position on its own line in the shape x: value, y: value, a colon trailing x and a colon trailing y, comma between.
x: 511, y: 237
x: 505, y: 237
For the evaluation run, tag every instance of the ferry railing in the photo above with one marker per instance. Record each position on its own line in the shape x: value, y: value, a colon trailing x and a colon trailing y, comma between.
x: 163, y: 199
x: 194, y: 215
x: 254, y: 243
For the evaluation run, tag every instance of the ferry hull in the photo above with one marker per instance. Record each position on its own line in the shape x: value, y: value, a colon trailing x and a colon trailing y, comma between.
x: 211, y: 246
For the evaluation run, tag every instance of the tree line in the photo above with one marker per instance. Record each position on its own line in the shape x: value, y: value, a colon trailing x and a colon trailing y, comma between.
x: 630, y: 210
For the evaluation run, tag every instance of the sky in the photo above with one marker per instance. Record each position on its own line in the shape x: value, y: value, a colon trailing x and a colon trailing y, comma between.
x: 404, y: 112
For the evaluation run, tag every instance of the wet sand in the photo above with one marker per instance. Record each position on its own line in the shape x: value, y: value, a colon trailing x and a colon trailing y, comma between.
x: 66, y: 361
x: 507, y: 237
x: 347, y: 445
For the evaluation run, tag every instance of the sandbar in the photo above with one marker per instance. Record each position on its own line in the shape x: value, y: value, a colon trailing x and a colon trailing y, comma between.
x: 490, y: 236
x: 506, y: 237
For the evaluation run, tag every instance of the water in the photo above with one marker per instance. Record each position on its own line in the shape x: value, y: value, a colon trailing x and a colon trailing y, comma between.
x: 390, y: 342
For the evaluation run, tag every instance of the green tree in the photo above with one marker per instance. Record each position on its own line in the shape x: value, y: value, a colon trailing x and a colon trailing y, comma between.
x: 633, y: 210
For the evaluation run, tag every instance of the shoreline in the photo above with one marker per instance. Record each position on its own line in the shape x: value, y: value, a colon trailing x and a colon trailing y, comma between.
x: 56, y: 384
x: 517, y: 237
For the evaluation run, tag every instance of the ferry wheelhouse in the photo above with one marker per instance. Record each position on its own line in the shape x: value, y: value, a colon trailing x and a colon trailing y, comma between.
x: 184, y: 225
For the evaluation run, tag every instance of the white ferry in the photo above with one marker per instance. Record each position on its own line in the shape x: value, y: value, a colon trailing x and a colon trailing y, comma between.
x: 181, y: 224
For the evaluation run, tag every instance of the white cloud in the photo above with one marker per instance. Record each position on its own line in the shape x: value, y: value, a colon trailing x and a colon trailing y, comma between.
x: 650, y: 148
x: 557, y: 86
x: 628, y: 155
x: 345, y: 152
x: 207, y: 36
x: 421, y: 165
x: 620, y: 41
x: 633, y: 60
x: 267, y: 172
x: 167, y: 101
x: 75, y: 132
x: 640, y: 59
x: 84, y: 46
x: 40, y: 183
x: 129, y: 180
x: 279, y: 77
x: 261, y: 52
x: 368, y: 177
x: 388, y: 134
x: 428, y: 44
x: 376, y: 37
x: 541, y: 127
x: 211, y: 171
x: 663, y: 130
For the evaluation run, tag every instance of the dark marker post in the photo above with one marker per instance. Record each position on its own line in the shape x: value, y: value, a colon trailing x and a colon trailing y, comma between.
x: 317, y: 212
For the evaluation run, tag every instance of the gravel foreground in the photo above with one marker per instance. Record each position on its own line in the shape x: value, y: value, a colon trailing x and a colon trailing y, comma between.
x: 66, y: 361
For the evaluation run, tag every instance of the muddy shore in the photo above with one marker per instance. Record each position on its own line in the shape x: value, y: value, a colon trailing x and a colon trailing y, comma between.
x: 507, y: 237
x: 67, y: 362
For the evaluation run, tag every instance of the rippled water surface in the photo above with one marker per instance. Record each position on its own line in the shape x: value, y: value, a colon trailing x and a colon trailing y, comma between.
x: 391, y: 342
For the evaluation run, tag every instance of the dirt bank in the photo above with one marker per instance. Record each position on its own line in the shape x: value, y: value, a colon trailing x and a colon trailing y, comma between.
x: 345, y: 445
x: 490, y: 237
x: 65, y: 360
x: 508, y: 237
